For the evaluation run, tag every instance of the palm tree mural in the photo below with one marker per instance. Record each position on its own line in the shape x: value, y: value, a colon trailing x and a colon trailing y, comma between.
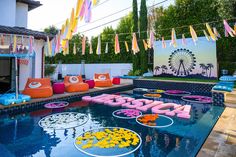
x: 203, y: 66
x: 164, y: 69
x: 210, y: 66
x: 157, y: 68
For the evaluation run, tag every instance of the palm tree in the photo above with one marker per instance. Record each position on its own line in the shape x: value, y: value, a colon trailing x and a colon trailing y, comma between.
x: 164, y: 68
x: 203, y: 66
x: 157, y: 68
x: 210, y: 66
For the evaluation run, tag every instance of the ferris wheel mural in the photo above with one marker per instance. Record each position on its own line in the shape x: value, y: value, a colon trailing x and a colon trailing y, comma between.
x: 182, y: 62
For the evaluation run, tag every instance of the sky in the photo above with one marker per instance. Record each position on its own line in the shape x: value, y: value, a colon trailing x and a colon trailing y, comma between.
x: 55, y: 12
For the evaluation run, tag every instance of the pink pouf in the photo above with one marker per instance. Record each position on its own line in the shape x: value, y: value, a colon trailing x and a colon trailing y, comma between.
x: 116, y: 80
x: 91, y: 83
x: 58, y: 88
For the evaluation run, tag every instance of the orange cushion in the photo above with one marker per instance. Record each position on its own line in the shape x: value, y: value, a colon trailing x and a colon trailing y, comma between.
x: 76, y: 86
x: 43, y: 90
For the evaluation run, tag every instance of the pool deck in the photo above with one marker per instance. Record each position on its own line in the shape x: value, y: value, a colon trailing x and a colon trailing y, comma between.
x: 222, y: 140
x: 65, y: 95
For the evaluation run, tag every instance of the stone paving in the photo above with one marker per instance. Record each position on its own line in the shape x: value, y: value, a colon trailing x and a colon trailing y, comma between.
x: 222, y: 140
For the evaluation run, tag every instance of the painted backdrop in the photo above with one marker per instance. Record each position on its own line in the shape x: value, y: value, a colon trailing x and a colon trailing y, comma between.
x: 190, y: 60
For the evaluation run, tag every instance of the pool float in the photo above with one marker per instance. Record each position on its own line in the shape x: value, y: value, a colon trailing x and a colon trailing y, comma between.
x: 58, y: 104
x: 163, y: 108
x: 177, y: 92
x: 154, y: 91
x: 197, y: 99
x: 152, y: 95
x: 115, y: 102
x: 145, y: 108
x: 10, y: 98
x: 89, y: 98
x: 126, y: 113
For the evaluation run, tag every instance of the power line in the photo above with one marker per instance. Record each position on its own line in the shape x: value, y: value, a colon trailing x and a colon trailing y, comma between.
x: 119, y: 18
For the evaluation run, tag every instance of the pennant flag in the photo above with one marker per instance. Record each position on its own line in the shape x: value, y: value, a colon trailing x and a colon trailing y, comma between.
x: 94, y: 2
x: 49, y: 51
x: 163, y: 43
x: 145, y: 45
x: 206, y: 35
x: 117, y: 45
x: 52, y: 47
x: 90, y: 47
x: 228, y: 30
x: 216, y: 33
x: 82, y: 10
x: 14, y: 43
x: 213, y: 37
x: 193, y: 34
x: 173, y: 38
x: 83, y: 45
x: 67, y: 47
x: 135, y: 47
x: 62, y: 29
x: 2, y: 39
x: 106, y: 49
x: 78, y: 8
x: 126, y: 46
x: 74, y: 49
x: 57, y: 50
x: 30, y: 44
x: 98, y: 51
x: 184, y: 40
x: 151, y: 39
x: 71, y: 25
x: 88, y: 13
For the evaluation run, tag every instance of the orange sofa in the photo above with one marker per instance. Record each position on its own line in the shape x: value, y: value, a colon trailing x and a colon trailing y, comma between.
x: 75, y: 84
x: 102, y: 80
x: 38, y: 88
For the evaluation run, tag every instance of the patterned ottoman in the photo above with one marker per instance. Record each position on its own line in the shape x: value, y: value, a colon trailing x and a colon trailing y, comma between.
x: 58, y: 88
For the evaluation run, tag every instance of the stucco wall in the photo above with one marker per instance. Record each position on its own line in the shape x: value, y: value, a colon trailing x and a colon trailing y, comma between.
x: 21, y: 15
x: 7, y: 12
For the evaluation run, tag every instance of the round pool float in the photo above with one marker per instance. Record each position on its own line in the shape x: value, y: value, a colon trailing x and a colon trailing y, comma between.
x: 64, y: 120
x: 57, y: 104
x: 126, y: 113
x: 197, y: 99
x: 140, y: 90
x: 177, y: 92
x: 154, y: 120
x: 155, y: 91
x: 108, y: 142
x: 152, y: 96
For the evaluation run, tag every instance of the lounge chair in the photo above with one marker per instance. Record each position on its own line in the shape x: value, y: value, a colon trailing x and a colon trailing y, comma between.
x: 38, y: 88
x: 75, y: 84
x: 102, y: 80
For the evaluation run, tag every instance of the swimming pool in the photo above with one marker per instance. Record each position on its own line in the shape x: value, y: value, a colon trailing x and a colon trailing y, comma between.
x: 20, y: 135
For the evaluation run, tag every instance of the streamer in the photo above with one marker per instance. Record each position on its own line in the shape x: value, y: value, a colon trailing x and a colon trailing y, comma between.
x: 184, y: 40
x: 163, y: 43
x: 145, y: 45
x: 173, y: 38
x: 117, y: 45
x: 98, y: 51
x: 151, y: 39
x: 106, y: 49
x: 213, y: 37
x: 228, y: 30
x: 193, y: 34
x: 83, y: 45
x: 74, y: 49
x: 206, y: 35
x: 126, y: 46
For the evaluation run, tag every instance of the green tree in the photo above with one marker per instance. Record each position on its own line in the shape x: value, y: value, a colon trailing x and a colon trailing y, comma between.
x: 136, y: 61
x: 143, y: 35
x: 51, y: 30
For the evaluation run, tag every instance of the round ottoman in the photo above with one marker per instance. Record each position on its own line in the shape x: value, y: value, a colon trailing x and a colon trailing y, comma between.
x: 91, y: 83
x: 116, y: 80
x: 58, y: 88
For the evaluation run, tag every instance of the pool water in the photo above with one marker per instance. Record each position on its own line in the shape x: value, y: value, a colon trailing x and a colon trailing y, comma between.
x: 20, y: 135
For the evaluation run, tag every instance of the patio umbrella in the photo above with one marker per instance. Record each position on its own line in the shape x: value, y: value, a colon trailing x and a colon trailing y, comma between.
x: 135, y: 47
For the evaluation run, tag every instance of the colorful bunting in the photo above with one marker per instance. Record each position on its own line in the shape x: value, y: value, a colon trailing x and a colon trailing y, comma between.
x: 88, y: 13
x: 228, y: 30
x: 94, y: 2
x: 126, y: 46
x: 213, y: 37
x: 90, y: 47
x: 98, y: 51
x: 216, y: 33
x: 83, y: 45
x: 151, y: 39
x: 106, y: 49
x: 173, y: 38
x: 206, y: 35
x: 71, y: 25
x: 74, y: 49
x: 117, y: 45
x: 82, y: 10
x: 183, y: 40
x: 193, y: 34
x: 78, y: 8
x: 163, y: 43
x: 145, y: 45
x: 14, y: 43
x: 135, y: 47
x: 49, y: 51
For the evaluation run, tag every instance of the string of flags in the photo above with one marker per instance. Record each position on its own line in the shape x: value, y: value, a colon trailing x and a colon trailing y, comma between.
x: 210, y: 34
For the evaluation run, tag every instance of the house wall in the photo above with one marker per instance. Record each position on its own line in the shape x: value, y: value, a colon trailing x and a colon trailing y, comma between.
x: 113, y: 69
x: 8, y: 12
x: 26, y: 70
x: 21, y: 17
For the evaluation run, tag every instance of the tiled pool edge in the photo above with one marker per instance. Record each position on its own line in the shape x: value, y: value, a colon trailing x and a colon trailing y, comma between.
x: 36, y: 105
x: 218, y: 98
